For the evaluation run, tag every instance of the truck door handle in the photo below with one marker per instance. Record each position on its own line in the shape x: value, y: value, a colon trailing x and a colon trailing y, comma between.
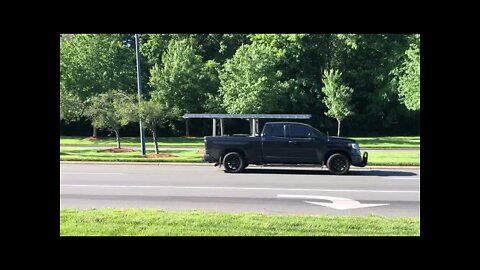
x: 294, y: 142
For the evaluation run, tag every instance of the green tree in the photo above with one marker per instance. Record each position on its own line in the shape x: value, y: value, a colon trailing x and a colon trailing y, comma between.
x: 213, y: 101
x: 337, y: 96
x: 408, y: 79
x: 249, y: 82
x: 153, y: 47
x: 218, y: 47
x: 154, y: 115
x: 179, y: 82
x: 111, y: 111
x: 276, y: 73
x: 91, y: 64
x: 71, y: 107
x: 367, y: 61
x: 295, y: 79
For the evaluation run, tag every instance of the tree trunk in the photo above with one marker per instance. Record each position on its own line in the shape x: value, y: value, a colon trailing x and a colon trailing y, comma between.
x: 155, y: 142
x: 117, y: 133
x: 338, y: 131
x: 94, y: 132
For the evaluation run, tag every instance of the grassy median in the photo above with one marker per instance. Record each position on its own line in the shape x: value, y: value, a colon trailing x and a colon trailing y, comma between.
x: 133, y: 141
x: 389, y: 142
x: 372, y: 142
x: 152, y: 222
x: 133, y: 156
x: 66, y: 154
x: 394, y: 158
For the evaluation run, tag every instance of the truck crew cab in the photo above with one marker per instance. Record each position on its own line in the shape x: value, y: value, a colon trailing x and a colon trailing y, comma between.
x: 284, y: 143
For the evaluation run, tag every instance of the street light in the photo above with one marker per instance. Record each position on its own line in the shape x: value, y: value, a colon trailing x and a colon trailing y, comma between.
x: 139, y: 83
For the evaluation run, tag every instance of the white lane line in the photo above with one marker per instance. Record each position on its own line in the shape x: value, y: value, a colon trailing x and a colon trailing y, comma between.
x: 87, y: 173
x: 245, y: 188
x: 403, y: 178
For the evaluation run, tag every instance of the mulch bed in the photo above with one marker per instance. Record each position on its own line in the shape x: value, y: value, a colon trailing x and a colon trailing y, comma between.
x: 123, y: 150
x: 117, y: 150
x: 92, y: 139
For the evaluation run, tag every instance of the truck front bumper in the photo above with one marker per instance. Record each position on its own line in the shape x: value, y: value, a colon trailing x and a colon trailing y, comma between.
x: 359, y: 161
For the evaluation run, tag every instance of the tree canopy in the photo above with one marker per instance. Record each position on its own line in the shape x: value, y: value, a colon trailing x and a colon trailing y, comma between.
x: 249, y: 82
x: 409, y: 76
x: 111, y: 111
x: 180, y: 81
x: 252, y: 73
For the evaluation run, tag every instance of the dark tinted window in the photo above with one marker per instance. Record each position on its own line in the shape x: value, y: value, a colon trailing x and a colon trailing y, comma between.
x: 298, y: 131
x: 274, y: 131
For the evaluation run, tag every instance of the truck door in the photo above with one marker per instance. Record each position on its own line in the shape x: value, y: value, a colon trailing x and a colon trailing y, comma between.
x: 302, y: 144
x: 275, y: 144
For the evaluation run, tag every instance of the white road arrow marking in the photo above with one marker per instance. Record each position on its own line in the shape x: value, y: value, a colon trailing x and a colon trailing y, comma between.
x: 403, y: 178
x: 336, y: 202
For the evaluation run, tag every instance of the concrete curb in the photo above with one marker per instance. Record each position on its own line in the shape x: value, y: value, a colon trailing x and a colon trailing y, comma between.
x: 211, y: 164
x: 136, y: 163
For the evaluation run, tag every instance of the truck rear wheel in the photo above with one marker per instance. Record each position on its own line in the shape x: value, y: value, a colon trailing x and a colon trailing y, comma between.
x: 233, y: 162
x: 338, y: 164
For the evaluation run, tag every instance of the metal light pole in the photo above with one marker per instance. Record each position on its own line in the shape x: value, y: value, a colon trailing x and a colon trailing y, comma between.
x: 139, y: 83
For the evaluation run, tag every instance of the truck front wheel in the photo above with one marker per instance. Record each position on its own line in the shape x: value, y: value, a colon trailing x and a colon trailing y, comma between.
x: 338, y: 164
x: 233, y: 162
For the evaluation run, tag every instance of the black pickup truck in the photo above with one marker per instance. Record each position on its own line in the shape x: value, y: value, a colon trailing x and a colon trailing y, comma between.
x: 284, y: 143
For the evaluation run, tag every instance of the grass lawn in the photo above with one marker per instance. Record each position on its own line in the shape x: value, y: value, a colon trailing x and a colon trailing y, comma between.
x: 152, y: 222
x: 394, y: 158
x: 94, y: 155
x: 134, y: 141
x: 373, y: 142
x: 389, y: 142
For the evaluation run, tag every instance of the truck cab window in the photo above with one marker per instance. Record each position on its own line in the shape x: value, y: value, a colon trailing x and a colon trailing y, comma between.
x: 275, y: 131
x: 298, y: 131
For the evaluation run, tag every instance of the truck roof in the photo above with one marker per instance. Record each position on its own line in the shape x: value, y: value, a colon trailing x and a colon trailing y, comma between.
x: 282, y: 123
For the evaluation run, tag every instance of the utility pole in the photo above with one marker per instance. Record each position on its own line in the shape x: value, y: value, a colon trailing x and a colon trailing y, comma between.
x: 139, y: 83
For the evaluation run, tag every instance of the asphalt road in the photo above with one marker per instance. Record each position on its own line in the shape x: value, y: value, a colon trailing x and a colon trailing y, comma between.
x: 273, y: 190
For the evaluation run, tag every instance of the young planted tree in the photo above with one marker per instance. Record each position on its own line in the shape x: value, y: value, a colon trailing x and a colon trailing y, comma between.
x: 111, y: 111
x: 337, y: 96
x: 154, y: 115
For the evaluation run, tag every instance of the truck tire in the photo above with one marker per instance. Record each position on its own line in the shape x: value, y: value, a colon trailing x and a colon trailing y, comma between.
x: 233, y: 162
x: 338, y: 164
